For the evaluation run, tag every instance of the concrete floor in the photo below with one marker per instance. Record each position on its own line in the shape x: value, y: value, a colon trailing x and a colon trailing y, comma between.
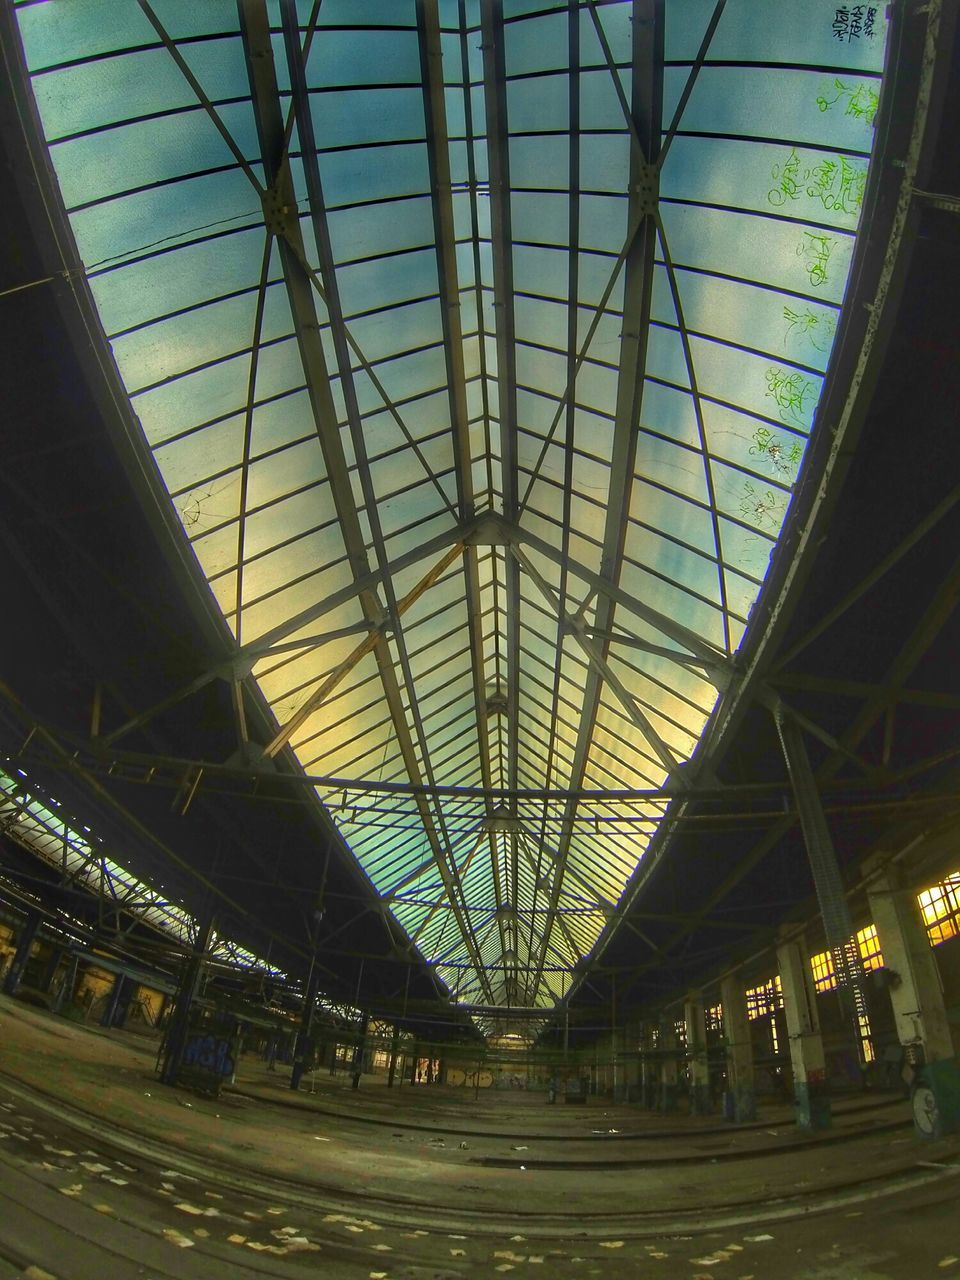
x: 105, y: 1173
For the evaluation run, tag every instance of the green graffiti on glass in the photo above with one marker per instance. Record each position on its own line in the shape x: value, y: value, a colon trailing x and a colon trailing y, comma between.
x: 815, y: 250
x: 763, y: 506
x: 817, y: 327
x: 785, y: 457
x: 792, y: 393
x: 837, y: 184
x: 787, y: 181
x: 860, y: 101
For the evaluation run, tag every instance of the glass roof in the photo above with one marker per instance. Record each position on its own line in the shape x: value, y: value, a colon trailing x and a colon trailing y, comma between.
x: 477, y: 344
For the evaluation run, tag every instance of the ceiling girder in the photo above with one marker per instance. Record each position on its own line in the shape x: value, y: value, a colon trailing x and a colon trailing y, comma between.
x: 646, y: 79
x: 300, y: 282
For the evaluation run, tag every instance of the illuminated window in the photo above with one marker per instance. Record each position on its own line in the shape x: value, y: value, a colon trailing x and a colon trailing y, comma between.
x: 863, y: 1022
x: 714, y: 1018
x: 824, y: 967
x: 681, y: 1029
x: 940, y: 906
x: 869, y: 945
x: 765, y: 998
x: 824, y: 974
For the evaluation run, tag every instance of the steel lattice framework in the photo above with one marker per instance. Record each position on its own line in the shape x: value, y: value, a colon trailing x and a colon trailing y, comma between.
x: 476, y: 346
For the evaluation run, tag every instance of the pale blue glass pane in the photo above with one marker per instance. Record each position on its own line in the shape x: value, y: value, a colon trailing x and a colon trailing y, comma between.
x: 134, y: 223
x: 136, y: 155
x: 167, y: 282
x: 604, y: 162
x: 810, y: 185
x: 805, y: 106
x: 384, y: 281
x: 809, y: 260
x: 541, y: 217
x: 371, y: 13
x: 544, y: 322
x: 373, y: 57
x: 540, y: 163
x: 670, y: 412
x: 539, y: 104
x: 603, y: 222
x: 666, y: 511
x: 678, y: 469
x: 375, y: 174
x: 797, y: 34
x: 54, y: 33
x: 616, y: 21
x: 403, y: 377
x: 384, y: 333
x: 599, y: 104
x: 366, y: 115
x: 536, y: 44
x: 747, y: 380
x: 380, y: 228
x: 542, y: 271
x: 768, y: 321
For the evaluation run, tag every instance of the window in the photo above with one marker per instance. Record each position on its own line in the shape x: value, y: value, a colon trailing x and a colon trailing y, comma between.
x: 940, y: 907
x: 714, y: 1018
x: 824, y: 974
x: 869, y: 945
x: 866, y: 1034
x: 824, y: 968
x: 765, y: 998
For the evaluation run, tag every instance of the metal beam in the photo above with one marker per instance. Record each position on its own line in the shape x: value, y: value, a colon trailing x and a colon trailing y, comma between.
x: 883, y: 567
x: 438, y: 155
x: 266, y: 100
x: 934, y: 618
x: 608, y: 587
x: 573, y: 294
x: 602, y: 669
x: 501, y: 238
x: 645, y: 112
x: 370, y: 644
x: 860, y: 689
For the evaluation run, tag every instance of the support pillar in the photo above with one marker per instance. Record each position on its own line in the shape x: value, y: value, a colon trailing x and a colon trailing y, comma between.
x: 359, y: 1051
x: 811, y: 1103
x: 633, y: 1036
x: 303, y: 1044
x: 394, y: 1046
x: 916, y: 993
x: 697, y: 1063
x: 68, y: 986
x: 50, y: 968
x: 115, y: 1011
x: 648, y: 1078
x: 831, y: 896
x: 916, y: 996
x: 740, y: 1103
x: 18, y: 964
x: 669, y: 1068
x: 176, y: 1036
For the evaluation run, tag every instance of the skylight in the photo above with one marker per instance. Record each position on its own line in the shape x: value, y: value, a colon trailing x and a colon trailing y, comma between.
x: 477, y: 347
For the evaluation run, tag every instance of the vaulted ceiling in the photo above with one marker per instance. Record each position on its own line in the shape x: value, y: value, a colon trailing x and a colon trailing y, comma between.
x: 470, y: 355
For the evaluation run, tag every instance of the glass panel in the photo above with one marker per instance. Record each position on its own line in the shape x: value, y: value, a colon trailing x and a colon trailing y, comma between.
x: 647, y: 459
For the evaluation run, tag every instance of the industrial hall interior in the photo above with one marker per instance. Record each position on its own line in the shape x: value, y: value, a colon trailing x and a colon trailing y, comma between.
x: 480, y: 642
